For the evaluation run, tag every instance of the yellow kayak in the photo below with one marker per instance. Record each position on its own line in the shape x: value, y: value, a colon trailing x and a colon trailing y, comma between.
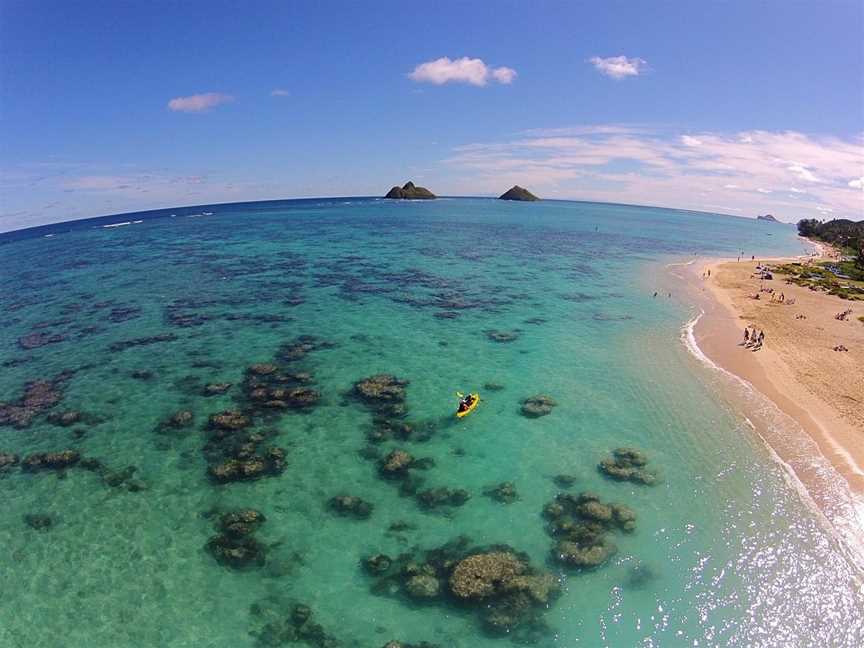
x: 471, y: 407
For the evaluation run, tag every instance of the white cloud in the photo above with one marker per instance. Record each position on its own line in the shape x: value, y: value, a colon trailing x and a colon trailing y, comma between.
x: 671, y: 169
x: 504, y: 75
x: 199, y: 102
x: 279, y: 92
x: 803, y: 173
x: 619, y: 67
x: 464, y: 70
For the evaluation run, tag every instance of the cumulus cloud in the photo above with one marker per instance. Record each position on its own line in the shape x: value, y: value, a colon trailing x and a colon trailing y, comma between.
x: 463, y: 70
x: 279, y: 92
x: 751, y: 172
x: 199, y: 102
x: 619, y: 67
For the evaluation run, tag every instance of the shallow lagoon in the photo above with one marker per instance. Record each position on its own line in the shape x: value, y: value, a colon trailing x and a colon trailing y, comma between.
x: 725, y: 551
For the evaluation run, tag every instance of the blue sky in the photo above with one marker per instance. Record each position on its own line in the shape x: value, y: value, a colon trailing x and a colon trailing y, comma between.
x: 737, y: 107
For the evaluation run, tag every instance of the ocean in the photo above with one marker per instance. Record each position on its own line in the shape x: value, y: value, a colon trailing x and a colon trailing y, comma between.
x: 120, y: 344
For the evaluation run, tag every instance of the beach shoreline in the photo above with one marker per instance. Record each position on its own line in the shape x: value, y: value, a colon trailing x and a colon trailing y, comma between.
x: 797, y: 370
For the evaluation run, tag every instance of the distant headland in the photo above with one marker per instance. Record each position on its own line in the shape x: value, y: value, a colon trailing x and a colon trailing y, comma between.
x: 517, y: 193
x: 409, y: 191
x: 767, y: 217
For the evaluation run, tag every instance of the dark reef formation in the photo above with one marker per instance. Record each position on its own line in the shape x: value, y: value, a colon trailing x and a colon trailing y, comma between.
x: 235, y: 545
x: 409, y: 191
x: 505, y: 493
x: 502, y: 336
x: 628, y: 464
x: 39, y: 339
x: 282, y: 622
x: 580, y: 525
x: 38, y: 521
x: 350, y: 506
x: 116, y: 347
x: 38, y: 396
x: 517, y: 193
x: 233, y: 454
x: 497, y: 583
x: 384, y: 394
x: 8, y: 460
x: 50, y: 460
x: 537, y: 406
x: 434, y: 498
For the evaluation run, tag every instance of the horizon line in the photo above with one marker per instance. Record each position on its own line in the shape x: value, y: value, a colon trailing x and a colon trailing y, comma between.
x: 270, y: 200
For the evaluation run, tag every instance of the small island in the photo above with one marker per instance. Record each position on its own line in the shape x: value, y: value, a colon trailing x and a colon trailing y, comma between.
x: 767, y: 217
x: 517, y: 193
x: 409, y: 191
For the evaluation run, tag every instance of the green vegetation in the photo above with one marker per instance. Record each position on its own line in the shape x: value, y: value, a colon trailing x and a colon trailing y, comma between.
x: 818, y: 276
x: 845, y: 234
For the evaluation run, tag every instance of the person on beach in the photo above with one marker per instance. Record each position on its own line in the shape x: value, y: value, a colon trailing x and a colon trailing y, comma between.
x: 746, y: 336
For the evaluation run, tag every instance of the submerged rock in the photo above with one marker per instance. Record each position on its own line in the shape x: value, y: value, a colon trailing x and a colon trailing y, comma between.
x: 291, y: 624
x: 351, y: 505
x: 502, y: 336
x: 50, y: 460
x: 484, y: 575
x: 216, y: 389
x: 7, y: 460
x: 507, y: 594
x: 396, y: 464
x: 628, y: 464
x: 230, y: 420
x: 65, y: 419
x: 537, y: 406
x: 248, y: 466
x: 39, y: 339
x: 38, y: 521
x: 382, y: 392
x: 181, y: 419
x: 581, y: 523
x: 38, y: 396
x: 236, y: 552
x: 236, y: 546
x: 436, y: 497
x: 505, y: 492
x: 241, y: 522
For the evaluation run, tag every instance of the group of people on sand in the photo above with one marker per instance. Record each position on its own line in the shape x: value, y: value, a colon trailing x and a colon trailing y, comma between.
x: 753, y: 340
x: 844, y: 315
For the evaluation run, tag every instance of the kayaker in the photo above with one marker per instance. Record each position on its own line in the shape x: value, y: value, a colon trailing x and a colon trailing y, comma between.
x: 465, y: 402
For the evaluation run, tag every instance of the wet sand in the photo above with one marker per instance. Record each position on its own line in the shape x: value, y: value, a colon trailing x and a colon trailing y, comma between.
x: 797, y: 368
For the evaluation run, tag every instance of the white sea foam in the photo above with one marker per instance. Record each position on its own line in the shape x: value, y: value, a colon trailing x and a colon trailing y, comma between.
x: 118, y: 224
x: 682, y: 263
x: 847, y: 522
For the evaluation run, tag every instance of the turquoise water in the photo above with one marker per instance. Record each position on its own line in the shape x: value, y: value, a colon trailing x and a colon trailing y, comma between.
x: 725, y: 551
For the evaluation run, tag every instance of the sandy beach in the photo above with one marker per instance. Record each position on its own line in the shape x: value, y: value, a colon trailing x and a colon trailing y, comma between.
x: 797, y: 367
